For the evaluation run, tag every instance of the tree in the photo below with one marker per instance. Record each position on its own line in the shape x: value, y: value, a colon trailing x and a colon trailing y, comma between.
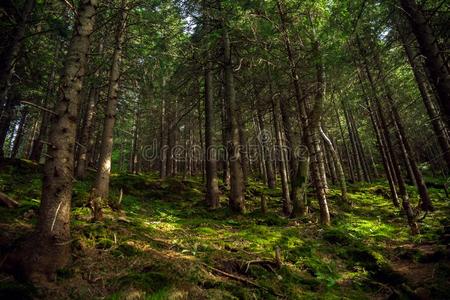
x: 48, y: 249
x: 100, y: 190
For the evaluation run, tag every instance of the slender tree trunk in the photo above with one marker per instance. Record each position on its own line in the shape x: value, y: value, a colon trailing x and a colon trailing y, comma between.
x: 237, y: 178
x: 6, y: 117
x: 435, y: 62
x: 30, y: 140
x: 310, y: 125
x: 395, y: 165
x: 226, y: 176
x: 347, y: 151
x: 384, y: 154
x: 264, y: 141
x: 286, y: 200
x: 299, y: 187
x: 438, y: 126
x: 290, y: 139
x: 408, y: 153
x: 329, y: 161
x: 356, y: 158
x: 134, y: 152
x: 11, y: 51
x: 212, y: 185
x: 360, y: 149
x: 162, y: 137
x: 20, y: 132
x: 48, y: 249
x: 101, y: 185
x: 37, y: 147
x: 86, y: 131
x: 339, y: 169
x: 243, y: 143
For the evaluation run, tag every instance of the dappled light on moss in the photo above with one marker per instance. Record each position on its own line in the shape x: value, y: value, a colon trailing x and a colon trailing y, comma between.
x: 164, y: 240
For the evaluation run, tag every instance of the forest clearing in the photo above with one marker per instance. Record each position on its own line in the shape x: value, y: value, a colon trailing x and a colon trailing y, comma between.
x: 224, y: 149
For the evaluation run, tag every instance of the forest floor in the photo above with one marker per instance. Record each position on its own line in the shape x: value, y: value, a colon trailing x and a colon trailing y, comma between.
x: 164, y: 244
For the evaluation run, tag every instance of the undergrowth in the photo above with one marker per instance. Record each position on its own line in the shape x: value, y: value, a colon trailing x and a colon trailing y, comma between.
x: 164, y: 243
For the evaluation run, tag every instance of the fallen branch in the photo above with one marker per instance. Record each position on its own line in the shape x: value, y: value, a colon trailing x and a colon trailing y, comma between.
x: 270, y: 263
x: 7, y: 201
x: 241, y: 279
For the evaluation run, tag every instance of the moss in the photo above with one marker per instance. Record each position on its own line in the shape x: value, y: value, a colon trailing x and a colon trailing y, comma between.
x: 336, y: 236
x: 126, y: 250
x: 165, y: 223
x: 149, y: 281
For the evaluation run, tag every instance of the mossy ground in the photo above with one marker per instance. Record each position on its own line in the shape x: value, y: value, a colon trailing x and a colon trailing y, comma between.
x: 164, y: 244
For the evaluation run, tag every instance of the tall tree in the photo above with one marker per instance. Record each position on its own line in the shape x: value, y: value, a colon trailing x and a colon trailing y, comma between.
x: 100, y: 190
x: 435, y: 62
x: 48, y: 249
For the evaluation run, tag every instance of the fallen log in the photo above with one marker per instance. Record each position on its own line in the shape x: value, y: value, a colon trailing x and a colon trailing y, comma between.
x: 7, y: 201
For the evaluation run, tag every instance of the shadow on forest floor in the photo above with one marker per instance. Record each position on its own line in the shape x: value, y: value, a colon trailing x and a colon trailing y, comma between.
x: 164, y: 244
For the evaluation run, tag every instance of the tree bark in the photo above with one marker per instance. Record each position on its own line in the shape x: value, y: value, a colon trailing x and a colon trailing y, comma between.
x: 264, y: 141
x: 435, y: 62
x: 6, y: 117
x: 438, y: 126
x: 48, y: 249
x: 236, y: 200
x: 408, y: 153
x: 286, y: 200
x: 11, y: 52
x: 390, y: 149
x: 19, y: 133
x: 309, y: 123
x: 85, y: 136
x: 339, y: 169
x: 37, y: 147
x: 101, y: 185
x: 212, y: 185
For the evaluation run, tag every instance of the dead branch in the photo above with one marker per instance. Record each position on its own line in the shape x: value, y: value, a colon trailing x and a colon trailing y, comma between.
x: 7, y: 201
x: 38, y: 106
x: 241, y: 279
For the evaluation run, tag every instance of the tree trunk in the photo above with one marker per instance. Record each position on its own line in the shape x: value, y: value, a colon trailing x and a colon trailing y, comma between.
x: 264, y: 140
x: 212, y: 185
x: 408, y: 153
x: 286, y: 200
x: 19, y: 133
x: 243, y: 143
x: 85, y: 136
x: 357, y: 162
x: 390, y: 148
x: 339, y: 169
x: 310, y: 125
x: 236, y: 174
x: 37, y: 147
x: 101, y: 185
x: 9, y: 55
x: 347, y: 151
x: 6, y: 117
x: 438, y: 126
x: 226, y: 176
x: 48, y: 249
x: 435, y: 62
x: 360, y: 149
